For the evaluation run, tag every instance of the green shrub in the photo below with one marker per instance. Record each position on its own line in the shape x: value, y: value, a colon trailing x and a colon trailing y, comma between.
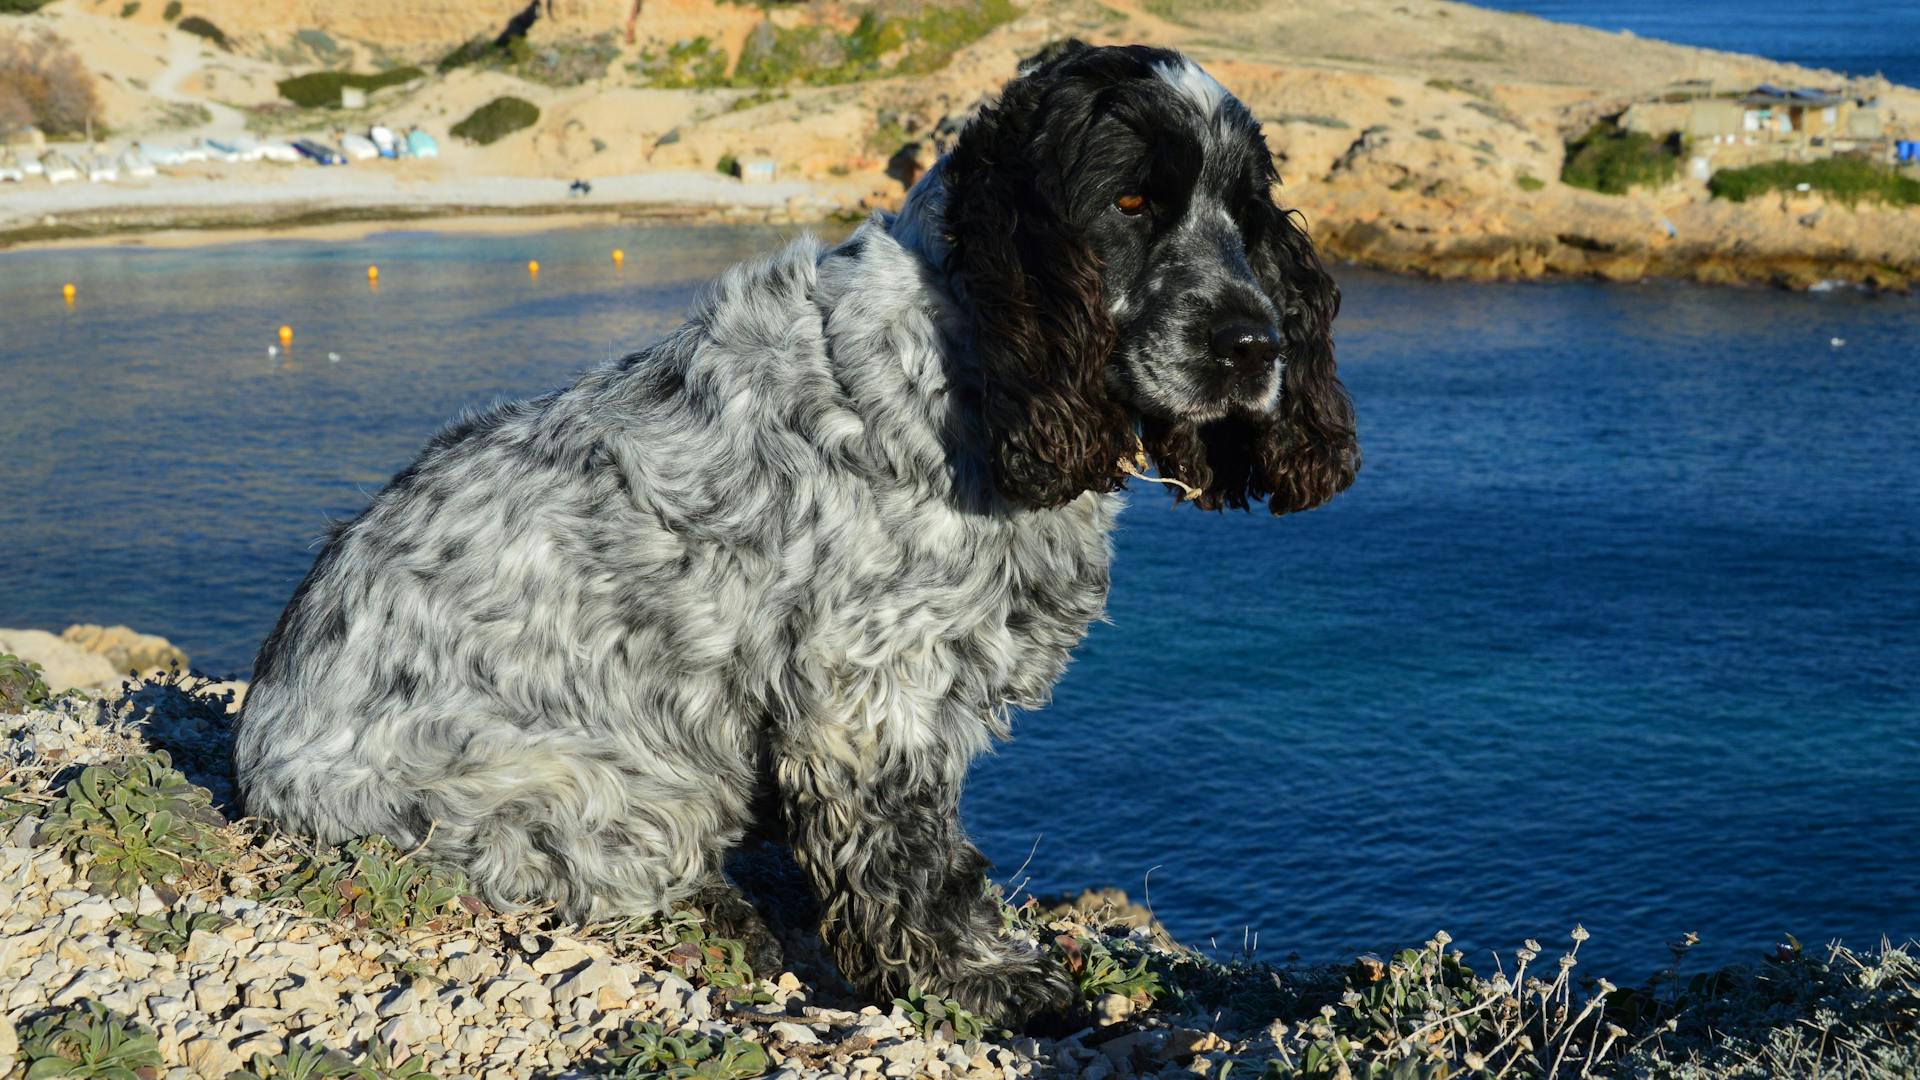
x: 321, y: 89
x: 497, y: 119
x: 1845, y: 179
x: 1614, y: 162
x: 1528, y: 182
x: 130, y: 9
x: 88, y: 1040
x: 468, y: 52
x: 172, y: 11
x: 728, y: 165
x: 22, y: 7
x: 199, y: 27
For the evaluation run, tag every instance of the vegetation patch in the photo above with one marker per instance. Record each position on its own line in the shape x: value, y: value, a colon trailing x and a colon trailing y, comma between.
x: 22, y: 7
x: 930, y: 1015
x: 321, y: 89
x: 1850, y: 180
x: 303, y: 1060
x: 21, y: 687
x: 1184, y: 11
x: 1098, y: 971
x: 171, y: 11
x: 1528, y: 182
x: 138, y: 821
x: 883, y: 43
x: 497, y: 119
x: 88, y: 1040
x: 564, y: 63
x: 1612, y: 161
x: 687, y: 64
x: 468, y: 52
x: 1312, y: 119
x: 647, y: 1049
x: 44, y: 83
x: 369, y: 884
x: 169, y: 931
x: 199, y: 27
x: 1453, y: 86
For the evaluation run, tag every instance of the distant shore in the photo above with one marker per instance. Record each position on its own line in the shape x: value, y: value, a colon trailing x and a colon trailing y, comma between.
x: 1580, y: 238
x: 179, y: 211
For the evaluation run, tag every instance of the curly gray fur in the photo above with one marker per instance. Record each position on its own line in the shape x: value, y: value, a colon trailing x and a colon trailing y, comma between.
x: 581, y: 632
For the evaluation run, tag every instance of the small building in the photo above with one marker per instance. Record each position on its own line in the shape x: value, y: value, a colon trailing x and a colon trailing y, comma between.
x: 1799, y: 122
x: 1770, y: 110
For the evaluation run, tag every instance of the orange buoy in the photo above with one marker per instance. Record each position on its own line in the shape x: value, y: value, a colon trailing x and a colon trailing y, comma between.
x: 286, y: 335
x: 533, y: 267
x: 619, y: 256
x: 373, y: 273
x: 67, y: 291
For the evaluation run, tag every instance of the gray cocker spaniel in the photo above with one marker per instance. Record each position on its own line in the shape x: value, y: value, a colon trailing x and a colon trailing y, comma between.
x: 793, y: 566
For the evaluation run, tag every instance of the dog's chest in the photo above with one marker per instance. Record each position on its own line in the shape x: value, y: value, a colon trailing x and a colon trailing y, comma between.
x: 979, y: 611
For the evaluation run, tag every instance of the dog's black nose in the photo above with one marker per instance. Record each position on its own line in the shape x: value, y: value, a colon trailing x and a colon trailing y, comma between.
x: 1247, y: 346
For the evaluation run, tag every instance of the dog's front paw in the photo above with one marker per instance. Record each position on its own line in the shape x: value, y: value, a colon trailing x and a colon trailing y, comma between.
x: 1017, y: 990
x: 1051, y: 1005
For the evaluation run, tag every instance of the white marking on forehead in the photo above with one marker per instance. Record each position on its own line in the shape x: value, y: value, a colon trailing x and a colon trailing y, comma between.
x: 1187, y: 78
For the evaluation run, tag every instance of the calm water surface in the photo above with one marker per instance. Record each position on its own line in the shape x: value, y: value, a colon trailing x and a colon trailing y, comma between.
x: 1621, y: 623
x: 1857, y: 37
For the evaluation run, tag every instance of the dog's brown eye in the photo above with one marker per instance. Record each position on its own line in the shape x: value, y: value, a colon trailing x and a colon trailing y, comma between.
x: 1131, y: 205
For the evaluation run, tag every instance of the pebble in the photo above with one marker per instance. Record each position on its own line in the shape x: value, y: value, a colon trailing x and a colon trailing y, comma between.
x: 795, y: 1033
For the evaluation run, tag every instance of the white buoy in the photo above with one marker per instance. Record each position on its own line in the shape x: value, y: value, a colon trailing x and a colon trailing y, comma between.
x: 273, y: 351
x: 333, y: 357
x: 1837, y: 342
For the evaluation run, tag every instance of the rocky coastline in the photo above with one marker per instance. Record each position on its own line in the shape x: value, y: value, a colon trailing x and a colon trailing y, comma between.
x: 148, y: 931
x: 1428, y: 138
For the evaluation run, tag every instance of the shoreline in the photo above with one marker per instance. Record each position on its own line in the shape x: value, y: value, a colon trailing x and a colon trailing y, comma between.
x: 1393, y: 247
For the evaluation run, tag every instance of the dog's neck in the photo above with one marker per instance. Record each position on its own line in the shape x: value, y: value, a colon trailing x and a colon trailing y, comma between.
x: 921, y: 224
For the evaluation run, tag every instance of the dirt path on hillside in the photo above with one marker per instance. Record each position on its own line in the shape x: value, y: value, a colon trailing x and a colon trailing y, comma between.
x: 184, y: 60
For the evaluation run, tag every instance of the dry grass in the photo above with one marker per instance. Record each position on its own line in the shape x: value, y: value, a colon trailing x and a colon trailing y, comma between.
x: 43, y: 82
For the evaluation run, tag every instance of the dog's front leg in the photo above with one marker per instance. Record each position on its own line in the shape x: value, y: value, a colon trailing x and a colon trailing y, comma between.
x: 903, y: 894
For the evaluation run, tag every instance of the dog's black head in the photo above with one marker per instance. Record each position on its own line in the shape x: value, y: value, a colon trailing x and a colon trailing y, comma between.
x: 1113, y: 221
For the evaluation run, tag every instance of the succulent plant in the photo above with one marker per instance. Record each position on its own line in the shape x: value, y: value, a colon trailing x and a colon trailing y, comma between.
x: 21, y: 686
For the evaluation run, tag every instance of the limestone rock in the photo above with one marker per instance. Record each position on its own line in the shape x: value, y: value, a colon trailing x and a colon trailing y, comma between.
x: 64, y: 665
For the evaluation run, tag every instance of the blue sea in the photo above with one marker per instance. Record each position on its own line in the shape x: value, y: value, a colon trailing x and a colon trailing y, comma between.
x: 1619, y: 626
x: 1855, y: 37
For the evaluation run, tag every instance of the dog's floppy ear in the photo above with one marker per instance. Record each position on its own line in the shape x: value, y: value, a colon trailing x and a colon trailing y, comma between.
x: 1042, y: 330
x: 1307, y: 451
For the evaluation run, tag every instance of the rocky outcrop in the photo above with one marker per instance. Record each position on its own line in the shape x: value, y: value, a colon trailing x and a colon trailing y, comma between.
x: 91, y: 657
x: 126, y: 649
x: 64, y: 665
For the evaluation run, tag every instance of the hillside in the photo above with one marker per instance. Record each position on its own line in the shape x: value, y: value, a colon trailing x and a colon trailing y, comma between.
x: 1414, y: 134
